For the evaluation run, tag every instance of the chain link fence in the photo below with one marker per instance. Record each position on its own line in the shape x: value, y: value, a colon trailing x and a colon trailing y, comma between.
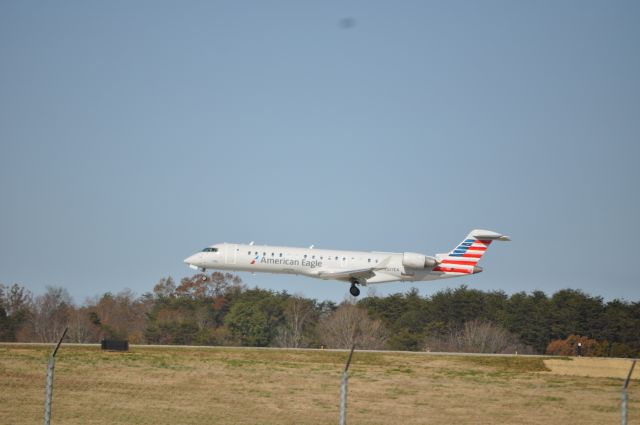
x: 216, y: 385
x: 166, y: 385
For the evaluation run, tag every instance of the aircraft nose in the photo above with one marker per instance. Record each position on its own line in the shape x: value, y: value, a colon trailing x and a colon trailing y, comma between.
x: 195, y: 262
x: 192, y: 259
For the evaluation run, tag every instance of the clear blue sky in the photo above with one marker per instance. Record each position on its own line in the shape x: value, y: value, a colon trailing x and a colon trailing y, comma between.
x: 135, y: 133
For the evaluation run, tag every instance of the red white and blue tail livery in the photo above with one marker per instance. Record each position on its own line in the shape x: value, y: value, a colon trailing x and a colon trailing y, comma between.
x: 464, y: 258
x: 355, y: 267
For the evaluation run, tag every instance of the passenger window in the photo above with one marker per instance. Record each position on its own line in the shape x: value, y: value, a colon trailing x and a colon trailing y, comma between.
x: 249, y: 253
x: 272, y: 254
x: 369, y: 260
x: 305, y: 255
x: 313, y: 257
x: 336, y: 258
x: 280, y: 254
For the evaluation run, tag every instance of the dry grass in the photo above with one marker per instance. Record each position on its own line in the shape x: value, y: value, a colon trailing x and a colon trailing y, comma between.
x: 250, y: 386
x: 593, y: 367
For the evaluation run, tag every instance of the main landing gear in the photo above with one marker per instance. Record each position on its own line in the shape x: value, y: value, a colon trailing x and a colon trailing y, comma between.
x: 354, y: 289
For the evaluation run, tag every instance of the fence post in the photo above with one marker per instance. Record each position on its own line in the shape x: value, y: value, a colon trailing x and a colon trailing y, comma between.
x: 623, y: 404
x: 343, y: 389
x: 48, y: 392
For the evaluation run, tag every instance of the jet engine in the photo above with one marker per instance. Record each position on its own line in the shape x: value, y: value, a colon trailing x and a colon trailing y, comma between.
x: 418, y: 261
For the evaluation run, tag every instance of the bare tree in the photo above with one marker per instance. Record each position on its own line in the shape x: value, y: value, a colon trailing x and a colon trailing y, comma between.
x: 477, y: 336
x: 351, y: 324
x: 222, y: 282
x: 121, y: 315
x: 51, y: 314
x: 201, y: 286
x: 80, y: 326
x: 165, y: 288
x: 298, y: 312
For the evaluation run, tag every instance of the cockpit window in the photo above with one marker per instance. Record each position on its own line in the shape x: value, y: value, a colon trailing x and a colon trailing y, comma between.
x: 210, y: 250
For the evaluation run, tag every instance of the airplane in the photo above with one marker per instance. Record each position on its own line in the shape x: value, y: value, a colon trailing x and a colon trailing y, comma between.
x: 359, y: 268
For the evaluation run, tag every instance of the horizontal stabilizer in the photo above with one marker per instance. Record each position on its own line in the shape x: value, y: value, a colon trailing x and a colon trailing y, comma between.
x: 488, y: 234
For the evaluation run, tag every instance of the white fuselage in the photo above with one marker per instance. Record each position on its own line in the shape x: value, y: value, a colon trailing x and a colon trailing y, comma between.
x: 318, y: 263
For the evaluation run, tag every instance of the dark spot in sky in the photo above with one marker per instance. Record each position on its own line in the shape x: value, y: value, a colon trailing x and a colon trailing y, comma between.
x: 347, y: 23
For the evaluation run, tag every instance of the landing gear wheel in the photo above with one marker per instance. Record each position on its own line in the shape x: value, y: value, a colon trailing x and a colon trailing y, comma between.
x: 354, y: 290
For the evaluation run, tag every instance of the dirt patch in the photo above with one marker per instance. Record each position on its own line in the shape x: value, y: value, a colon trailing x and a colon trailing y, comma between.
x: 592, y: 367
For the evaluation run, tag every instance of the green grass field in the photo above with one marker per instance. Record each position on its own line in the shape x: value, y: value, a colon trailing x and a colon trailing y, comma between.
x: 174, y: 385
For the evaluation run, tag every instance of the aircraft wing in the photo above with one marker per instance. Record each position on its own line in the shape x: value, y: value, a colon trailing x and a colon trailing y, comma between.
x: 359, y: 274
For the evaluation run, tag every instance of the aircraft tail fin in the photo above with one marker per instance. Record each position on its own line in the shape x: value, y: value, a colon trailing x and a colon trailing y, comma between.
x: 463, y: 259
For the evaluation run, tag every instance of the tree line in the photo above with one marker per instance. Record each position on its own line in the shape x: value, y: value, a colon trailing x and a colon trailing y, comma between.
x: 218, y: 309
